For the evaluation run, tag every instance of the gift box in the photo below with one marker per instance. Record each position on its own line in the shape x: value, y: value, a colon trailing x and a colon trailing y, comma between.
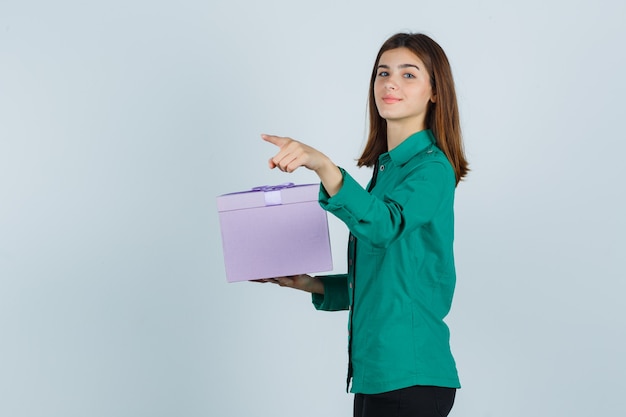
x: 274, y: 231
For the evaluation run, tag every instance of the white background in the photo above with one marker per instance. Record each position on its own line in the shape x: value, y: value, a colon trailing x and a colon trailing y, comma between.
x: 121, y: 121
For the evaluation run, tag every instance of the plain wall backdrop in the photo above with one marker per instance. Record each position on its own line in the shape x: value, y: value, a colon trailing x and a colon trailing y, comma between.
x: 121, y: 121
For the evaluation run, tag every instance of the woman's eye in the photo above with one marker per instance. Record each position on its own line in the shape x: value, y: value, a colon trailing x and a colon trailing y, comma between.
x: 383, y: 74
x: 409, y: 75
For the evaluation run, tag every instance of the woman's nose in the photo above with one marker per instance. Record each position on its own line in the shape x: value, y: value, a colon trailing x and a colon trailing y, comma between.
x: 390, y: 85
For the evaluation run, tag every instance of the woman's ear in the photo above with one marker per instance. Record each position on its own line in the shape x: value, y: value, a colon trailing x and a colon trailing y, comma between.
x: 433, y: 98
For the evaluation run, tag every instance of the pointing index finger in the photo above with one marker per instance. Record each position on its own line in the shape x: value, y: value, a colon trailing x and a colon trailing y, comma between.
x: 276, y: 140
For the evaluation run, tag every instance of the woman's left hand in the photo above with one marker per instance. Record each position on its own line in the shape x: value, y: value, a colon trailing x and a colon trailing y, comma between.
x: 293, y: 155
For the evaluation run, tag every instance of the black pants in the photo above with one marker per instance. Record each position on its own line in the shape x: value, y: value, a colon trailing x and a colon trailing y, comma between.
x: 417, y: 401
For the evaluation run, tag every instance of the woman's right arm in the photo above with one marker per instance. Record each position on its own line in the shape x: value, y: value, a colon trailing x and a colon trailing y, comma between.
x: 301, y: 282
x: 329, y: 292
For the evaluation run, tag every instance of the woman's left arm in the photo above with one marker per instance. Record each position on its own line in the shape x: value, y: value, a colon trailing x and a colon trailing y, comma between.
x: 293, y: 155
x: 380, y: 220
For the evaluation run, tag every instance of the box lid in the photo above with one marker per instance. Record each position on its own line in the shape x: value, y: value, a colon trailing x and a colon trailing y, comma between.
x: 268, y: 195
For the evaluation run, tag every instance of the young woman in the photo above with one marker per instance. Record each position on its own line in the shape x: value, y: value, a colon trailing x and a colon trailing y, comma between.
x: 401, y: 273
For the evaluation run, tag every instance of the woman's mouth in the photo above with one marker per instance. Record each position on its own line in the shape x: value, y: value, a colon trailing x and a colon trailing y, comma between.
x: 390, y: 99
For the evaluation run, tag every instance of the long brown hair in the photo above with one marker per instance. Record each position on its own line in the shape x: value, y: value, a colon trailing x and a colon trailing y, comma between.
x: 442, y: 116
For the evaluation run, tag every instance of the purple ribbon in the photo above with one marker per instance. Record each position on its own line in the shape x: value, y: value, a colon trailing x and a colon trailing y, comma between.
x: 272, y: 193
x: 274, y: 187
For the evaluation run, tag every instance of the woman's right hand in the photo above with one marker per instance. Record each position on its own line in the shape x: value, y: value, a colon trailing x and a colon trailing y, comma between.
x: 301, y: 282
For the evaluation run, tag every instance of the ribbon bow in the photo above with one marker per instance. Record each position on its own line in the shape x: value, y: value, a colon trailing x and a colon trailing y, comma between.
x: 272, y: 192
x: 274, y: 187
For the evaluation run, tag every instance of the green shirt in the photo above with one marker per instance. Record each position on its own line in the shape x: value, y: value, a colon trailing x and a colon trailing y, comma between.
x: 401, y: 274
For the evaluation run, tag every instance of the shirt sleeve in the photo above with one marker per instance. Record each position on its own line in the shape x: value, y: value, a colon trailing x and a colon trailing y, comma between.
x: 335, y: 295
x: 381, y: 220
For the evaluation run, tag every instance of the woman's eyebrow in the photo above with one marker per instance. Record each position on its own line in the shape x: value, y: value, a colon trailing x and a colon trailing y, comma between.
x: 401, y: 66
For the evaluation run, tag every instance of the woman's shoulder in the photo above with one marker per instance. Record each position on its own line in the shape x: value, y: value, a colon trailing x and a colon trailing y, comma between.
x: 432, y: 158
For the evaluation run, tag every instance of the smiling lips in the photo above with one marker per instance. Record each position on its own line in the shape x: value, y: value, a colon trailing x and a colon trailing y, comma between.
x: 390, y: 99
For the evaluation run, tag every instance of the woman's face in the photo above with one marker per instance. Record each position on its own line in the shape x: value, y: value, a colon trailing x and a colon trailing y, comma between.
x: 402, y: 88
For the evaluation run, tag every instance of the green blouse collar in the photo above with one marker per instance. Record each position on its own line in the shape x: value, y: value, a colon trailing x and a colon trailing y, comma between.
x: 411, y: 146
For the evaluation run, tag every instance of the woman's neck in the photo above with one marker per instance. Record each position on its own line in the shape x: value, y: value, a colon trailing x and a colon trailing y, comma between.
x: 398, y: 132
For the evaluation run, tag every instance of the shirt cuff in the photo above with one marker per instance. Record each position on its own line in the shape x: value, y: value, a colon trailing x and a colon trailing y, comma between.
x: 335, y: 297
x: 350, y: 204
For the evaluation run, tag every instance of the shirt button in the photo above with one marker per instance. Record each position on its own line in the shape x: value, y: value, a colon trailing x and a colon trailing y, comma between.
x: 350, y: 285
x: 382, y: 167
x: 351, y: 238
x: 349, y: 261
